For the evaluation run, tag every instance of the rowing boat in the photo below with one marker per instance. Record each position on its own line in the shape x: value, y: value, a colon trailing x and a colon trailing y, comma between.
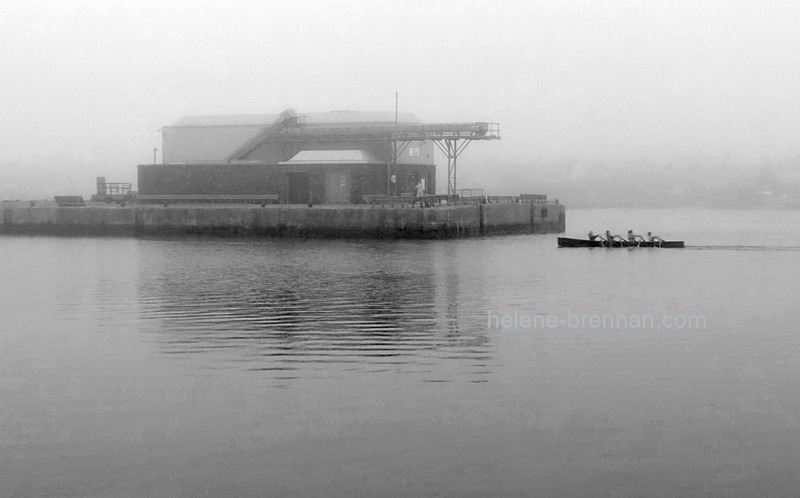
x: 568, y: 242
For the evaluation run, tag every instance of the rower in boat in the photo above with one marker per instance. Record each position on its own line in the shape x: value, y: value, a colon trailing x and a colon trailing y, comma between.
x: 593, y: 237
x: 610, y: 239
x: 633, y: 238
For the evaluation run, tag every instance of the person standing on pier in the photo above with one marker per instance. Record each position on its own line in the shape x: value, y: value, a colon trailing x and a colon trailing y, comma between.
x: 419, y: 191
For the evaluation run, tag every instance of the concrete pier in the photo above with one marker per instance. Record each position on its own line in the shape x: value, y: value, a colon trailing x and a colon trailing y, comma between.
x: 356, y: 221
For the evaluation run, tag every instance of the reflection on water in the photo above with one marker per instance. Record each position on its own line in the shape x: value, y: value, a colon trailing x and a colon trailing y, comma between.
x: 307, y: 310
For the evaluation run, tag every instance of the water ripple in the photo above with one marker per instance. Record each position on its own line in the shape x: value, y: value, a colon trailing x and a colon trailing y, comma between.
x: 274, y: 319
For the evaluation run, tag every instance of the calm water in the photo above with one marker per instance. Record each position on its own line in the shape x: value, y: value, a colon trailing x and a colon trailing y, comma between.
x: 221, y: 367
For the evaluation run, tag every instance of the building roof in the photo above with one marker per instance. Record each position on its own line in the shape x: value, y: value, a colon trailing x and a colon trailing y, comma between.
x: 332, y: 157
x: 229, y: 120
x: 350, y: 117
x: 327, y: 118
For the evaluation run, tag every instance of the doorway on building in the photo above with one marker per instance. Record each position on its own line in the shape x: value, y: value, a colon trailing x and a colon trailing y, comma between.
x: 337, y: 187
x: 299, y: 188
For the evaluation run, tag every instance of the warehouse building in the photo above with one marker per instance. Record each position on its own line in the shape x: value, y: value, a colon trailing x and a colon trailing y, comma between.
x: 337, y: 157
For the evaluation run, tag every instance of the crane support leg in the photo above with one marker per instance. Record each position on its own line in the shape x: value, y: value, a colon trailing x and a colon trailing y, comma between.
x: 452, y: 149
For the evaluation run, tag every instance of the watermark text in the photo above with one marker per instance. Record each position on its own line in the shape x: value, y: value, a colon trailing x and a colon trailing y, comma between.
x: 517, y: 320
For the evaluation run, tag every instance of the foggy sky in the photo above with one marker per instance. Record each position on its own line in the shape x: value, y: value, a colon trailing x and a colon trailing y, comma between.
x: 88, y: 84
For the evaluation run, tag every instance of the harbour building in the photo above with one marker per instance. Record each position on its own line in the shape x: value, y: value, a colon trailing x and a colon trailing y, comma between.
x: 339, y: 157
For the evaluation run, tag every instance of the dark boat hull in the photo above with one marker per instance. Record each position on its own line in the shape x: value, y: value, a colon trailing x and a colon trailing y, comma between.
x: 667, y: 244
